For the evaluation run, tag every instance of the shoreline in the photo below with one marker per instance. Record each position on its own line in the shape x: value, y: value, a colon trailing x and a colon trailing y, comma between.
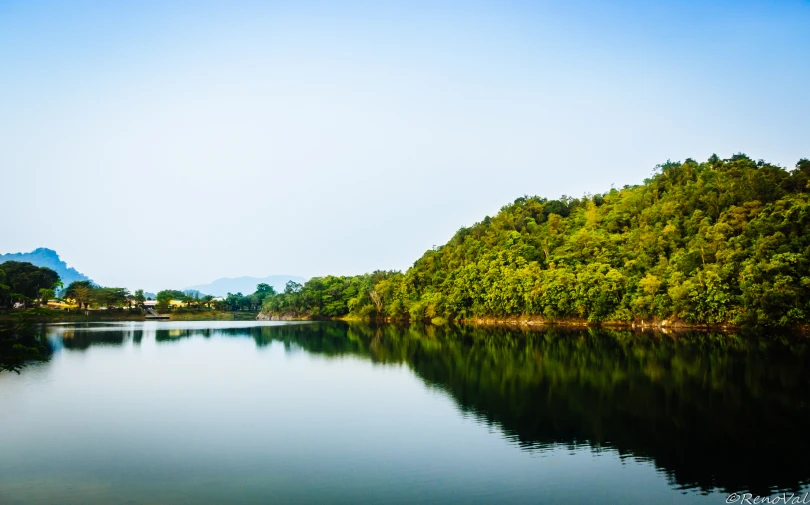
x: 664, y: 326
x: 101, y: 316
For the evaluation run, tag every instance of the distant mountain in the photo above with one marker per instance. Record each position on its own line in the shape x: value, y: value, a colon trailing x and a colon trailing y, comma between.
x: 44, y: 257
x: 244, y: 285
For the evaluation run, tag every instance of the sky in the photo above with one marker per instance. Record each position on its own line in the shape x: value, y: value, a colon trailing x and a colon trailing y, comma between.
x: 163, y: 144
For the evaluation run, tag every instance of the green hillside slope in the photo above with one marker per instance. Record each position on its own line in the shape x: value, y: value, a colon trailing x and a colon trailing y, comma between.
x: 724, y: 241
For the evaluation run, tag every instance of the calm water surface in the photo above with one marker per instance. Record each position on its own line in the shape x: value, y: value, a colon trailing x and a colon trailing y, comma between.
x: 258, y: 413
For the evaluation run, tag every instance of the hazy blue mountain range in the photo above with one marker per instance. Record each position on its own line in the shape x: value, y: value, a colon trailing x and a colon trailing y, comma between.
x: 244, y: 285
x: 44, y: 257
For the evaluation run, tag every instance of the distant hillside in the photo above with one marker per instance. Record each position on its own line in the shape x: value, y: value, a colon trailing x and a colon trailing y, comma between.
x: 244, y: 285
x: 44, y: 257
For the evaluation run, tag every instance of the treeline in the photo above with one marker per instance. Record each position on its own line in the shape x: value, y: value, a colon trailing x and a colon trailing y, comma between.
x: 25, y: 285
x: 252, y: 302
x: 86, y: 293
x: 723, y: 241
x: 231, y: 303
x: 190, y: 298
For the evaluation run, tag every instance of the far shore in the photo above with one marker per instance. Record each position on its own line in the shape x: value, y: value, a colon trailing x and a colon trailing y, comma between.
x: 93, y: 316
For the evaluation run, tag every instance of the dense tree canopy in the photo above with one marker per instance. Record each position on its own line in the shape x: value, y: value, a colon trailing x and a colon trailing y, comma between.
x: 25, y: 283
x: 165, y: 297
x: 724, y: 241
x: 251, y: 302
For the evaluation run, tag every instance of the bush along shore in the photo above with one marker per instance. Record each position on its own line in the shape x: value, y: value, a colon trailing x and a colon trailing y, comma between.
x: 723, y: 243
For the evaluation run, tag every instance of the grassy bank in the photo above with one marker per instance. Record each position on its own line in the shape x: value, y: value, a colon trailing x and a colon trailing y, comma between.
x: 48, y: 315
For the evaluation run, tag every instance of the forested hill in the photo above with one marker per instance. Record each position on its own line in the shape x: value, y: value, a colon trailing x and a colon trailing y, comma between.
x: 724, y: 241
x: 48, y: 258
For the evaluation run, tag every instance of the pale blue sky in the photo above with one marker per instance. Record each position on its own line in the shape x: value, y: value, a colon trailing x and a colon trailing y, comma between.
x: 311, y: 138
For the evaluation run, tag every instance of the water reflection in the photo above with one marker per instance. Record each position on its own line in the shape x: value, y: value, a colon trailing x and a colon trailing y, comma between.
x: 179, y: 334
x: 21, y: 345
x: 711, y: 411
x: 86, y: 335
x: 80, y: 340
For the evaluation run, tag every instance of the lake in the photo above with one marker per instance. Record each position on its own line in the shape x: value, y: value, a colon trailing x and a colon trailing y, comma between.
x: 331, y: 412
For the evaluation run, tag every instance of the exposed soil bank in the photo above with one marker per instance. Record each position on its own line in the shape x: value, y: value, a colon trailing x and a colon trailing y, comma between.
x: 665, y: 324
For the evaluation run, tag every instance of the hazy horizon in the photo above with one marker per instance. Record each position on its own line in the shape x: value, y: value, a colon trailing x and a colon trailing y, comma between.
x: 277, y: 280
x: 163, y: 145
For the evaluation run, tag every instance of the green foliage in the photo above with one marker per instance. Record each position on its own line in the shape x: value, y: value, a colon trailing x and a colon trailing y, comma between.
x: 724, y: 241
x: 80, y: 292
x: 139, y: 297
x: 366, y: 296
x: 238, y: 301
x: 165, y: 297
x: 85, y: 294
x: 22, y: 282
x: 194, y: 300
x: 45, y: 295
x: 111, y: 297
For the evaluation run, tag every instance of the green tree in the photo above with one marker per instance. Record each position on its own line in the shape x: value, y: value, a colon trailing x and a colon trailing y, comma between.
x: 80, y: 292
x: 45, y: 295
x: 139, y: 297
x: 206, y: 300
x: 22, y: 281
x: 164, y: 299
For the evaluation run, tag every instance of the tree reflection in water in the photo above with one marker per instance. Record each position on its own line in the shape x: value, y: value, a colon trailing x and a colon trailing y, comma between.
x: 712, y: 411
